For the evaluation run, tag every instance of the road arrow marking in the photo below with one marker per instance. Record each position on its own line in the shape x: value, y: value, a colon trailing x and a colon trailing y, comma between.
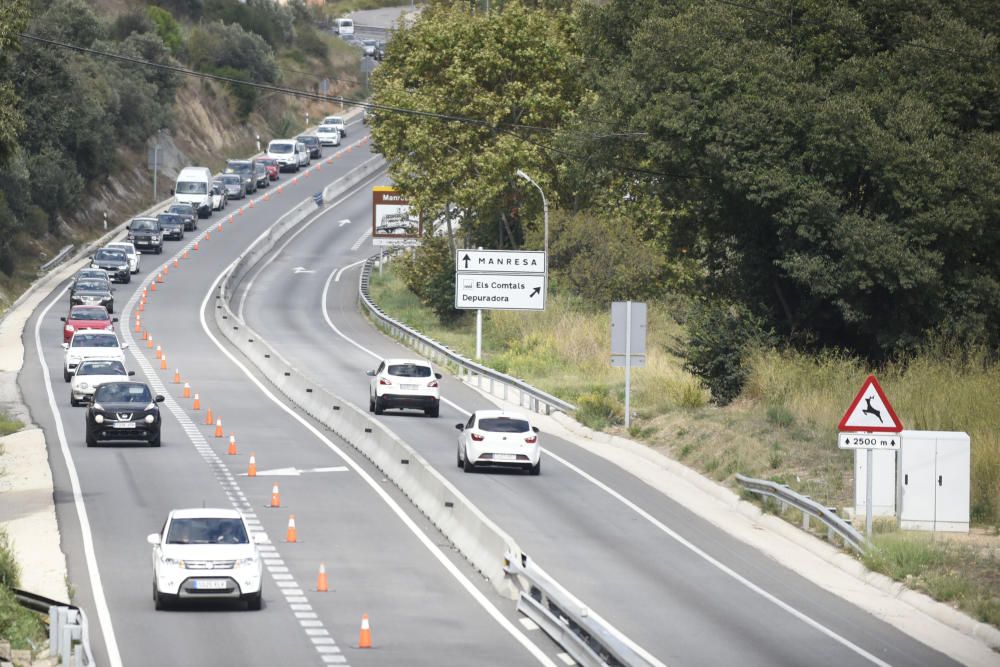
x: 295, y: 472
x: 302, y: 269
x: 343, y: 222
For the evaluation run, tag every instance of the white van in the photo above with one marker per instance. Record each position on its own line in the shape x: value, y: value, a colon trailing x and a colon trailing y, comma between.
x: 343, y: 27
x: 194, y: 186
x: 286, y: 153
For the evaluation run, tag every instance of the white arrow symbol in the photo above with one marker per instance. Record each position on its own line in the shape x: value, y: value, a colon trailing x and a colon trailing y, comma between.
x: 295, y: 472
x: 302, y: 269
x: 343, y: 222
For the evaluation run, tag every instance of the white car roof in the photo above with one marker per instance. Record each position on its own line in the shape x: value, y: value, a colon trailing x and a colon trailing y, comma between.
x: 205, y: 513
x: 491, y: 414
x: 416, y: 362
x: 121, y: 244
x: 96, y: 332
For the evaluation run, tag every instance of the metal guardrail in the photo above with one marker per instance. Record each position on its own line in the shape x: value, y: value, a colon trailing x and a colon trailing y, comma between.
x: 69, y: 638
x: 536, y: 399
x: 809, y: 508
x: 589, y: 639
x: 62, y: 254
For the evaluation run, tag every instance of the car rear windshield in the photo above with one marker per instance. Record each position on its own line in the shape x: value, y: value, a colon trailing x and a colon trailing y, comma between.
x: 94, y: 340
x: 308, y: 140
x: 122, y: 392
x: 208, y: 530
x: 143, y: 226
x: 504, y: 425
x: 91, y: 286
x: 231, y: 179
x: 88, y: 314
x: 101, y: 368
x: 410, y: 370
x: 333, y: 120
x: 105, y: 254
x: 190, y: 188
x: 280, y: 148
x: 170, y: 219
x: 239, y: 167
x: 127, y: 249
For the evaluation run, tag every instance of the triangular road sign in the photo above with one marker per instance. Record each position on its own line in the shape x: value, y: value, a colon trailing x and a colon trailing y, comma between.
x: 870, y: 411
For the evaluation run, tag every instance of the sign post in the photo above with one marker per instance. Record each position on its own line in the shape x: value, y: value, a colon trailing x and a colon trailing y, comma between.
x: 393, y: 222
x: 871, y: 426
x: 628, y: 343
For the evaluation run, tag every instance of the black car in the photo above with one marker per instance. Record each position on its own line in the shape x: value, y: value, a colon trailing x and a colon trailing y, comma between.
x: 146, y: 235
x: 188, y: 212
x: 173, y: 225
x: 246, y: 169
x: 260, y: 171
x: 124, y: 412
x: 114, y: 262
x: 235, y: 187
x: 312, y: 143
x: 92, y: 292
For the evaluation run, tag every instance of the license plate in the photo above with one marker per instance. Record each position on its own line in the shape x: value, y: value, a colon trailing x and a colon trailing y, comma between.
x: 409, y: 387
x: 124, y: 424
x: 505, y: 457
x: 209, y: 584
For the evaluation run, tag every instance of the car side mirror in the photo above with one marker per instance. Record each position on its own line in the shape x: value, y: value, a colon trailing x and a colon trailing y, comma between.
x: 65, y: 346
x: 62, y: 319
x: 535, y: 429
x: 438, y: 376
x: 114, y: 319
x: 370, y: 373
x: 153, y: 538
x: 159, y: 398
x: 131, y: 373
x: 460, y: 427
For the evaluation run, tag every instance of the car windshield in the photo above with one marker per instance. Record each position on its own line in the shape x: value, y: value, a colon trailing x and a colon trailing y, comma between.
x: 368, y: 42
x: 308, y: 140
x: 280, y: 148
x: 88, y: 314
x: 326, y: 129
x: 503, y: 425
x: 101, y: 368
x: 107, y: 255
x: 268, y: 162
x: 143, y: 226
x: 123, y: 392
x: 181, y: 209
x: 231, y: 179
x: 94, y: 340
x: 238, y: 168
x: 207, y: 530
x: 410, y: 370
x: 190, y: 187
x: 333, y: 120
x: 91, y: 286
x: 170, y: 219
x: 127, y: 249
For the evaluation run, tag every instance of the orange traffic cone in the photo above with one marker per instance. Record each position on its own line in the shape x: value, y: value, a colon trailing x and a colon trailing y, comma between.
x: 149, y: 339
x: 145, y: 334
x: 267, y: 196
x: 329, y: 160
x: 177, y: 263
x: 163, y: 363
x: 321, y: 583
x: 152, y: 286
x: 365, y: 639
x: 208, y: 235
x: 252, y: 468
x: 159, y: 278
x: 177, y: 376
x: 195, y: 245
x: 166, y: 269
x: 144, y: 294
x: 251, y: 203
x: 232, y: 219
x: 159, y: 352
x: 197, y: 403
x: 319, y: 166
x: 187, y: 390
x: 275, y: 497
x: 239, y: 211
x: 209, y: 420
x: 279, y: 189
x: 291, y: 536
x: 232, y: 445
x: 185, y: 255
x: 219, y: 228
x: 218, y: 427
x: 138, y: 325
x: 142, y: 304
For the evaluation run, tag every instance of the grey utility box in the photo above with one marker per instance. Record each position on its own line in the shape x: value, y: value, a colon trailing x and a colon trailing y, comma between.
x: 883, y: 482
x: 935, y: 468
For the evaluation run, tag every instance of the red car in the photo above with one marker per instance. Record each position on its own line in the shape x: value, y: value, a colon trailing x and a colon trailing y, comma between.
x: 86, y: 317
x: 271, y: 165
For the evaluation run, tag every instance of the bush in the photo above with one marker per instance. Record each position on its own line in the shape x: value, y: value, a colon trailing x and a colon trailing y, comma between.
x: 10, y: 571
x: 598, y: 410
x: 310, y: 42
x: 430, y: 274
x: 213, y: 46
x: 719, y: 336
x: 167, y: 28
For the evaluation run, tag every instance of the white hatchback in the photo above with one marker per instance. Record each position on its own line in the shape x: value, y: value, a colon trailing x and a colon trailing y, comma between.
x: 328, y: 135
x: 338, y: 122
x: 91, y: 344
x: 130, y: 252
x: 404, y: 383
x: 501, y: 439
x: 206, y: 553
x: 92, y: 372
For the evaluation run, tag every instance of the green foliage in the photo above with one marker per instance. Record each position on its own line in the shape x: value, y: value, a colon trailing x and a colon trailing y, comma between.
x: 718, y: 340
x: 135, y: 20
x: 167, y: 28
x: 216, y: 46
x: 598, y: 410
x: 13, y: 18
x: 270, y: 20
x: 430, y: 274
x: 309, y: 40
x: 23, y: 628
x: 511, y: 66
x: 10, y: 571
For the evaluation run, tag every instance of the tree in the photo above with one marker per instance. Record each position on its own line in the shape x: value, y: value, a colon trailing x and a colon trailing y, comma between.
x: 513, y: 66
x: 13, y: 19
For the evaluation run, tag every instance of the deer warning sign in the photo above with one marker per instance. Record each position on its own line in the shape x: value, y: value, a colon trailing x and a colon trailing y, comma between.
x: 870, y: 412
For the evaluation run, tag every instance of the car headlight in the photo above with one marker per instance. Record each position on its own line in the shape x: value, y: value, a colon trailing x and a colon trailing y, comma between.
x: 83, y: 385
x: 70, y: 327
x: 176, y: 562
x: 247, y: 562
x: 94, y: 266
x: 98, y: 419
x: 156, y: 237
x: 150, y: 419
x: 106, y: 297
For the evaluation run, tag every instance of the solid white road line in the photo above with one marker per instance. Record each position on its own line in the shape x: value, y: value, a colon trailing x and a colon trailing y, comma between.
x: 433, y: 548
x: 96, y: 587
x: 650, y: 518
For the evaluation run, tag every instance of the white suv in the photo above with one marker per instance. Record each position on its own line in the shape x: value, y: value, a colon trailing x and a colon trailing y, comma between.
x: 91, y: 344
x: 404, y: 383
x: 501, y: 439
x: 328, y: 135
x: 206, y: 553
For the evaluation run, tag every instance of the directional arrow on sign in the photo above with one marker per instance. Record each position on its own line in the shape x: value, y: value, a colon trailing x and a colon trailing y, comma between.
x: 295, y: 472
x: 302, y: 269
x: 466, y: 259
x: 535, y: 291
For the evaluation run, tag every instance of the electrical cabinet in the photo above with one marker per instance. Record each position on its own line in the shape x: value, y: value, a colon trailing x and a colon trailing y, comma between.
x: 934, y: 473
x: 883, y: 482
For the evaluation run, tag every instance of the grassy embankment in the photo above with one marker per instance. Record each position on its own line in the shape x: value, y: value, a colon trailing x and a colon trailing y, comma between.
x: 783, y: 427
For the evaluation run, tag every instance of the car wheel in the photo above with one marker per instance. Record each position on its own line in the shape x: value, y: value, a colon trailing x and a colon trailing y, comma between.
x: 159, y: 250
x: 467, y: 465
x: 535, y: 469
x: 72, y: 401
x: 66, y: 375
x: 379, y: 404
x: 458, y: 457
x: 91, y: 442
x: 254, y: 601
x: 371, y: 403
x: 128, y: 279
x: 434, y: 410
x: 155, y: 442
x: 159, y: 601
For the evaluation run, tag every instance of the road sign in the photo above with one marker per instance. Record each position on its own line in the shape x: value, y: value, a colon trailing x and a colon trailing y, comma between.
x: 492, y: 291
x: 628, y: 333
x: 393, y: 222
x: 869, y: 440
x: 500, y: 261
x: 870, y: 412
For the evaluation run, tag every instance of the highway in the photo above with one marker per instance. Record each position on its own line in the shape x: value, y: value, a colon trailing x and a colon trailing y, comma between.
x: 383, y: 559
x: 678, y: 586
